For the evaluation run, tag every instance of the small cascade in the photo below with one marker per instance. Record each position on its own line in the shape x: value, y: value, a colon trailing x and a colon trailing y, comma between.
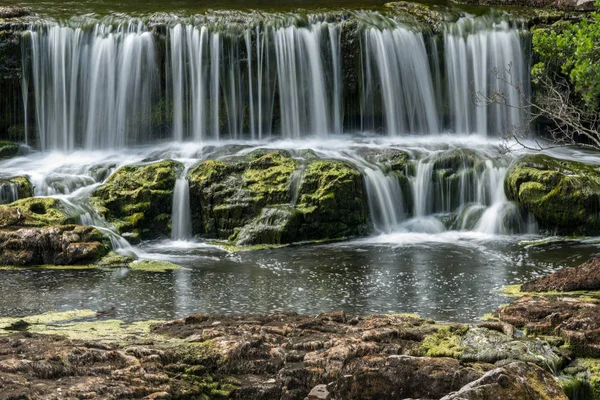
x: 471, y: 55
x: 76, y: 205
x: 422, y: 187
x: 385, y: 199
x: 8, y: 192
x: 182, y: 216
x: 501, y: 215
x: 295, y: 182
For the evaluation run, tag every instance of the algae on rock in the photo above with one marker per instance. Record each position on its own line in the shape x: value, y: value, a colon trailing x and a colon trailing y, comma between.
x: 563, y: 196
x: 138, y: 199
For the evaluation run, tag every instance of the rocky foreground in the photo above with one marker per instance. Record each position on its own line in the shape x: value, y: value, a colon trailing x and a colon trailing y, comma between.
x: 542, y: 346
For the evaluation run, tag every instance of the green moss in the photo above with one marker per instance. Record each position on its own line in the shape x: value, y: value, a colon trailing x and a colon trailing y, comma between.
x: 34, y: 212
x: 593, y: 368
x: 138, y: 199
x: 153, y: 266
x: 445, y: 342
x: 583, y: 295
x: 23, y: 186
x: 562, y: 195
x: 8, y: 149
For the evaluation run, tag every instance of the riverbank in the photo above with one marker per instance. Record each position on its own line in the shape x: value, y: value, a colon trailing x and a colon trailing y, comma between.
x: 550, y: 338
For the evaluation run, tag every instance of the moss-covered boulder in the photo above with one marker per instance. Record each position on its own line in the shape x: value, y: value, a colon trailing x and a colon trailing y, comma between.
x: 138, y: 199
x: 56, y: 245
x: 564, y: 196
x: 8, y: 149
x: 227, y: 194
x: 332, y: 200
x: 256, y: 199
x: 15, y: 188
x: 35, y: 212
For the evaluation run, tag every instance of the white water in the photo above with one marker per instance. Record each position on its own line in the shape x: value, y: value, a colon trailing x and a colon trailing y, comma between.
x: 8, y: 192
x: 98, y: 86
x: 182, y: 216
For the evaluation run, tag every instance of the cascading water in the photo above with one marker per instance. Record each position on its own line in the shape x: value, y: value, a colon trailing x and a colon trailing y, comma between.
x: 100, y: 86
x: 8, y: 192
x: 182, y: 216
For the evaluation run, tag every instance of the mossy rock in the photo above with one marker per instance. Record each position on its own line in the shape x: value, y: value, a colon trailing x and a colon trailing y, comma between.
x: 227, y: 194
x: 246, y: 199
x: 19, y: 185
x: 138, y: 199
x: 35, y: 212
x: 8, y: 149
x: 275, y: 225
x: 332, y: 200
x: 153, y: 266
x: 52, y: 245
x: 563, y: 196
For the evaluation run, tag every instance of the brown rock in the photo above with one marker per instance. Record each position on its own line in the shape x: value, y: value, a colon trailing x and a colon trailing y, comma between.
x: 517, y: 380
x: 584, y: 277
x: 319, y: 392
x: 576, y: 320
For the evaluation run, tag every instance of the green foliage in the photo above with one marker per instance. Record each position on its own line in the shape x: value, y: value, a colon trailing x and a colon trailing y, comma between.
x: 572, y: 50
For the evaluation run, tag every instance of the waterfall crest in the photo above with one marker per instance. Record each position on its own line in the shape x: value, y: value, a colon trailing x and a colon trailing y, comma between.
x: 105, y: 86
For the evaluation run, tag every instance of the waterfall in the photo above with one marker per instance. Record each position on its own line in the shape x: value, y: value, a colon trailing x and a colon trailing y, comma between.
x: 422, y: 188
x: 8, y: 192
x: 181, y: 225
x: 471, y: 54
x: 385, y: 199
x: 99, y: 86
x: 93, y: 88
x: 405, y: 82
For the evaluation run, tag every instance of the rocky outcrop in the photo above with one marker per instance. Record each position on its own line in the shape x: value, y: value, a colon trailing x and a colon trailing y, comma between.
x: 34, y: 212
x: 577, y: 320
x: 562, y: 195
x: 516, y: 380
x: 13, y: 12
x: 564, y: 5
x: 15, y: 188
x: 291, y: 356
x: 267, y: 197
x: 57, y: 245
x: 138, y: 199
x: 584, y: 277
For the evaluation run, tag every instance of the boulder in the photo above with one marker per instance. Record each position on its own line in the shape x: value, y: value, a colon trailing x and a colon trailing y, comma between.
x: 15, y: 188
x: 56, y: 245
x: 34, y: 212
x: 8, y: 149
x: 562, y: 195
x: 576, y: 320
x: 138, y: 199
x: 256, y: 199
x: 517, y: 380
x: 584, y: 277
x: 13, y: 12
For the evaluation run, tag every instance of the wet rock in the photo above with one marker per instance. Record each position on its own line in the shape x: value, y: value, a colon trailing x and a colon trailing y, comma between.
x: 319, y: 392
x: 513, y: 381
x: 34, y: 212
x: 250, y: 199
x: 13, y: 12
x: 584, y: 277
x: 577, y: 320
x: 138, y: 199
x: 58, y: 245
x: 227, y: 194
x: 8, y: 149
x: 565, y: 5
x: 15, y: 188
x: 562, y: 195
x: 421, y: 12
